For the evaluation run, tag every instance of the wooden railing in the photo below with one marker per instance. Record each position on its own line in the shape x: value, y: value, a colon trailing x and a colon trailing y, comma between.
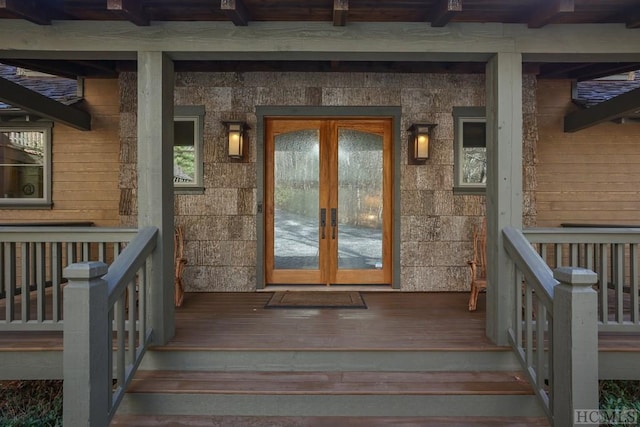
x: 105, y: 332
x: 613, y: 254
x: 31, y: 263
x: 554, y: 331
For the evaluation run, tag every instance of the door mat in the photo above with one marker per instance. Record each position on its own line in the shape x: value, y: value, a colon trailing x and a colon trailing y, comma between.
x: 316, y: 299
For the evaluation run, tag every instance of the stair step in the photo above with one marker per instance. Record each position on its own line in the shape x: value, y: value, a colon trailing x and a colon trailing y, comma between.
x: 231, y: 421
x: 330, y: 393
x: 325, y: 383
x: 331, y: 360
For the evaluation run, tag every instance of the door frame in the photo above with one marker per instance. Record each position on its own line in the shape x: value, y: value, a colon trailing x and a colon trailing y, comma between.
x: 262, y: 112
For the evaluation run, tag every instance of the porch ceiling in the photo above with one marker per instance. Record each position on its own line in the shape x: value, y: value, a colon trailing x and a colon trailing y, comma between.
x: 434, y: 13
x: 534, y: 13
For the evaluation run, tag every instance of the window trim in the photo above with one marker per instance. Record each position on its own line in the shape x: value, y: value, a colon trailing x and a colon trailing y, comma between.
x: 460, y: 116
x: 45, y: 201
x: 196, y: 114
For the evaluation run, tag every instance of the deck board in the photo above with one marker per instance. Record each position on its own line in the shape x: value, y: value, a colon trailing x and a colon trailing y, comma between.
x: 393, y: 320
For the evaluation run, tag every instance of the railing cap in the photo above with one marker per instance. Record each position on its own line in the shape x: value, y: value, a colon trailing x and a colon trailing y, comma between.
x: 575, y: 276
x: 85, y: 270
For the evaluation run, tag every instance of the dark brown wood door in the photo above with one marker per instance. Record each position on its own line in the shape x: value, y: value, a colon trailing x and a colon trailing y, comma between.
x: 328, y: 199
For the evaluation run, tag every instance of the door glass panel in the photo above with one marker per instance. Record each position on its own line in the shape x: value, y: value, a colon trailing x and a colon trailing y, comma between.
x: 359, y: 200
x: 296, y: 177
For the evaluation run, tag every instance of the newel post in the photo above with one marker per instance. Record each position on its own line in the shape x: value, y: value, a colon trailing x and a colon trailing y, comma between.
x: 575, y: 344
x: 86, y: 346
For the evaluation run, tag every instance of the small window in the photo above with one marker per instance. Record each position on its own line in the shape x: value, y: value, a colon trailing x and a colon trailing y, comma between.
x: 25, y: 165
x: 188, y: 129
x: 470, y: 149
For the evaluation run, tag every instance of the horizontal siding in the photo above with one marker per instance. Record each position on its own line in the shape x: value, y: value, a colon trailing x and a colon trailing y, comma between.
x: 589, y: 176
x: 85, y: 165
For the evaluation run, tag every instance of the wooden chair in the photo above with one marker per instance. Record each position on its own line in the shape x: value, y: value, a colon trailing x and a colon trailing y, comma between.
x: 478, y: 264
x: 180, y: 262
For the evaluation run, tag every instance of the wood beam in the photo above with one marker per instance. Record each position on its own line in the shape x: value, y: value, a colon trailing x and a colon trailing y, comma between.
x: 633, y: 20
x: 33, y: 102
x: 102, y: 68
x: 236, y: 11
x: 340, y: 12
x: 614, y: 108
x: 544, y: 14
x: 585, y: 71
x: 132, y: 10
x: 444, y: 11
x: 26, y: 9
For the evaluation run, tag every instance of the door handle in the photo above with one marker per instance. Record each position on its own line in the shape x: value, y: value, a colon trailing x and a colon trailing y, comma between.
x: 323, y: 221
x: 334, y: 222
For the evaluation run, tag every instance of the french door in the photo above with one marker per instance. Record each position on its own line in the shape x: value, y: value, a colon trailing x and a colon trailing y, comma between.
x: 328, y: 186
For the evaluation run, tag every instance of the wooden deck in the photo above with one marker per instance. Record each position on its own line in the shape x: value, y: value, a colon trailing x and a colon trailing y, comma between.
x: 393, y: 320
x: 396, y: 320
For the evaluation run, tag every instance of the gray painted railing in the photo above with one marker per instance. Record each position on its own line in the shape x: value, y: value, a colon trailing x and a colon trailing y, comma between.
x: 555, y: 332
x: 613, y: 254
x: 31, y: 263
x: 105, y: 332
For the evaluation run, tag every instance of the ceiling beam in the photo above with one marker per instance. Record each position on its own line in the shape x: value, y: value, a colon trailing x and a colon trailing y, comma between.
x: 132, y: 10
x: 444, y: 11
x: 27, y: 9
x: 585, y: 70
x: 614, y: 108
x: 19, y: 96
x: 340, y: 12
x: 102, y: 68
x: 544, y: 14
x: 633, y: 20
x: 236, y: 11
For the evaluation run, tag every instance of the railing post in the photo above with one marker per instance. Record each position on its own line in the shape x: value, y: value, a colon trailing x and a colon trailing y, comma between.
x: 86, y: 346
x: 575, y: 345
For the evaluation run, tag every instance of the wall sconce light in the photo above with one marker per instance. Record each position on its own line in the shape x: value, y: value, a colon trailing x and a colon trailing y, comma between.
x: 419, y: 138
x: 235, y: 138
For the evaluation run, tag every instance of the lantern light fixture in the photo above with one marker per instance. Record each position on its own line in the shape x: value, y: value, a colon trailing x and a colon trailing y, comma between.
x: 235, y: 138
x: 419, y: 139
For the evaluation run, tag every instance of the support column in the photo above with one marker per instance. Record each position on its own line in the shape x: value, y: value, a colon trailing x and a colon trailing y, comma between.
x: 155, y: 182
x: 504, y: 185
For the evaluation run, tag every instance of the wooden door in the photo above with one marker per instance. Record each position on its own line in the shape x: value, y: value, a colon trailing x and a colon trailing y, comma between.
x: 328, y: 186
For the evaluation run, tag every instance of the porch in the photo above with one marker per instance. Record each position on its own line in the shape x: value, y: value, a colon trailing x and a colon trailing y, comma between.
x: 419, y: 350
x: 415, y: 321
x: 406, y: 355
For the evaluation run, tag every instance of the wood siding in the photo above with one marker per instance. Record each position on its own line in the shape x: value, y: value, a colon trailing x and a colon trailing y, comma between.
x: 84, y: 165
x: 590, y: 176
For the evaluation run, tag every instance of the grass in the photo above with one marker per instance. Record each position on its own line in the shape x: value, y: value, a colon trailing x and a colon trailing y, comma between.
x: 30, y: 403
x: 622, y: 395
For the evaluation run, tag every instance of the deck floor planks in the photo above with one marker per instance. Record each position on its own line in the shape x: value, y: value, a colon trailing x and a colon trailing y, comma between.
x: 394, y: 320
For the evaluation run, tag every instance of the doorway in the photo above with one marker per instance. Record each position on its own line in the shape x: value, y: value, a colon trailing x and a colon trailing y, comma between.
x: 328, y: 201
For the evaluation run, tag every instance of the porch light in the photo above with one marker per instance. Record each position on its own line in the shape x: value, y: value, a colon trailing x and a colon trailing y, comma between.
x: 235, y: 138
x: 419, y: 136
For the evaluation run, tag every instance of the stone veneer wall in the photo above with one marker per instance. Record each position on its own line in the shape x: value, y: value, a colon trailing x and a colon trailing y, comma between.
x: 220, y: 225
